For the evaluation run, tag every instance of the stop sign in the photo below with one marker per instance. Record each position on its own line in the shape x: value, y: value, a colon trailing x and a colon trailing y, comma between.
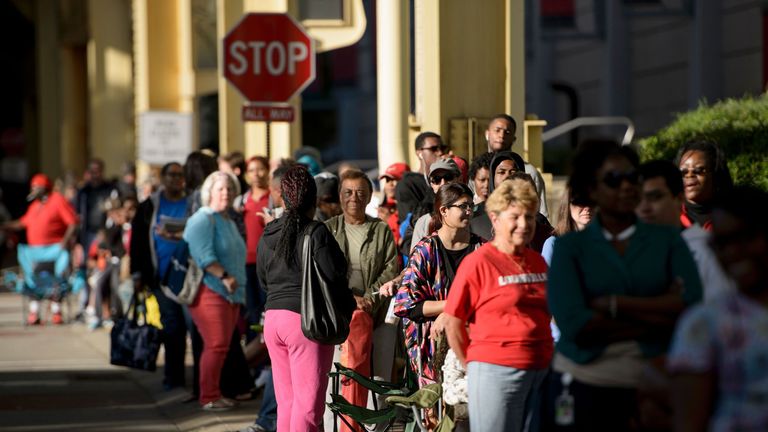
x: 268, y: 57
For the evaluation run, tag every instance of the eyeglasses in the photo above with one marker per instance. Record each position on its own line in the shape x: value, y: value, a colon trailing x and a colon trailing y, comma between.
x: 463, y: 206
x: 442, y: 148
x: 613, y: 179
x: 437, y: 178
x: 174, y: 174
x: 698, y: 171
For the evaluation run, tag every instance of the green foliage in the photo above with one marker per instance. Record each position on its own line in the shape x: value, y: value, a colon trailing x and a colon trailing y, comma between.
x: 739, y: 126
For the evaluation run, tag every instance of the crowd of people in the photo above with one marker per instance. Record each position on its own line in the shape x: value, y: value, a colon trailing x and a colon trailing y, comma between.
x: 643, y: 308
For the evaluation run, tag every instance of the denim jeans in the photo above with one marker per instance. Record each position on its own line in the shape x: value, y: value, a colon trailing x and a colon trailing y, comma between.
x: 268, y: 412
x: 504, y: 399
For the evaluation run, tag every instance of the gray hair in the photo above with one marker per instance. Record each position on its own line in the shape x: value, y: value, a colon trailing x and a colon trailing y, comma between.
x: 205, y: 190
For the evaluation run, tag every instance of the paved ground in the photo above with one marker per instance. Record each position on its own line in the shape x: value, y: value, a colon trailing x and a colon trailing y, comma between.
x: 59, y: 379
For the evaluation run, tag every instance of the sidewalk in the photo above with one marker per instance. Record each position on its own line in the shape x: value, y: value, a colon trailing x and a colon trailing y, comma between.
x: 59, y: 378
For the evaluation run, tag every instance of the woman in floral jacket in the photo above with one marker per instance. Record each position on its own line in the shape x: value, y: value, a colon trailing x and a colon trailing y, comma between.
x: 432, y: 266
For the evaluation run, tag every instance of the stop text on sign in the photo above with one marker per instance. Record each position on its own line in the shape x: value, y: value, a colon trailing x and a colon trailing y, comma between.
x: 269, y: 58
x: 276, y: 57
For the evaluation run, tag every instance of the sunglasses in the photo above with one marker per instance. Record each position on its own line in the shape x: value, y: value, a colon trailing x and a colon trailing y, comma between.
x: 463, y: 206
x: 614, y: 179
x: 438, y: 178
x: 442, y: 148
x: 699, y: 171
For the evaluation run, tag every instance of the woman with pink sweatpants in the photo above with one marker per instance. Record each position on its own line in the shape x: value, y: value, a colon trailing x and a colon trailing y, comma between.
x: 300, y: 366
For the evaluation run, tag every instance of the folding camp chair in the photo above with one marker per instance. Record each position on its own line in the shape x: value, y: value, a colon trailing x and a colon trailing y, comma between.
x: 404, y: 399
x: 362, y: 415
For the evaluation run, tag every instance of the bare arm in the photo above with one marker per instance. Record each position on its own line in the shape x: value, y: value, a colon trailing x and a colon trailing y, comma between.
x: 433, y: 308
x: 68, y: 235
x: 13, y: 225
x: 458, y: 339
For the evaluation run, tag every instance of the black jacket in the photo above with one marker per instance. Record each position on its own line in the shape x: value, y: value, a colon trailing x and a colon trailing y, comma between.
x: 414, y: 196
x: 143, y: 257
x: 282, y: 280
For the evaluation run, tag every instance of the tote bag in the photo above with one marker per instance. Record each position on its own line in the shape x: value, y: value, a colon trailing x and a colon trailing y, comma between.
x: 321, y: 319
x: 134, y: 344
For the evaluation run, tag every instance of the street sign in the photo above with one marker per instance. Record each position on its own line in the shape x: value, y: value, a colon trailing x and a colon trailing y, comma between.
x: 164, y: 136
x: 268, y: 113
x: 268, y: 57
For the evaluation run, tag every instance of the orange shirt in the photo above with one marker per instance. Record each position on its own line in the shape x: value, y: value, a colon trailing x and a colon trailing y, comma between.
x: 47, y: 222
x: 504, y: 299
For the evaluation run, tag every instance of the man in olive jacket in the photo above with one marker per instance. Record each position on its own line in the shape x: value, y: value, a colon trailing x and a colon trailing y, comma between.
x: 372, y: 260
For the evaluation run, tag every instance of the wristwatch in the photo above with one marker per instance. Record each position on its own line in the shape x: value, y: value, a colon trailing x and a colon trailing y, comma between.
x: 224, y: 275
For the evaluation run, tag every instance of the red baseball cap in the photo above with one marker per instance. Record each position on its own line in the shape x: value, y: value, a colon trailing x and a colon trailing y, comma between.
x: 396, y: 171
x: 463, y: 168
x: 41, y: 180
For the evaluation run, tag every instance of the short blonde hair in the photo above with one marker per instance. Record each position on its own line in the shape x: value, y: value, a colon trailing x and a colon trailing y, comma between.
x: 509, y: 192
x: 205, y: 190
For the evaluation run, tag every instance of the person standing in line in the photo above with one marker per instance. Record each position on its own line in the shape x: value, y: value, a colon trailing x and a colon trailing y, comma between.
x: 572, y: 215
x: 217, y: 248
x: 413, y: 194
x: 500, y: 136
x: 90, y: 201
x: 252, y: 204
x: 328, y: 204
x: 300, y: 365
x: 500, y: 291
x: 156, y: 231
x: 372, y: 260
x: 479, y: 176
x: 421, y: 298
x: 616, y: 290
x: 705, y: 179
x: 661, y: 200
x: 442, y: 172
x: 507, y: 165
x: 717, y: 359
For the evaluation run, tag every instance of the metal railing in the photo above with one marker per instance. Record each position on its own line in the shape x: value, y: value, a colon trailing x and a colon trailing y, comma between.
x: 591, y: 121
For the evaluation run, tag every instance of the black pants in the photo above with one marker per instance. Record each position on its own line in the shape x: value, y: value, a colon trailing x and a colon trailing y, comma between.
x: 596, y: 409
x: 174, y: 339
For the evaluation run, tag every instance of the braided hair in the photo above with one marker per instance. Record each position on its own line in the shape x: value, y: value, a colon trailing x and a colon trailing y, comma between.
x: 299, y: 195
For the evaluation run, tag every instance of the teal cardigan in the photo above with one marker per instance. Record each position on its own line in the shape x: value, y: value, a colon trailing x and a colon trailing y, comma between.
x: 213, y: 238
x: 586, y: 266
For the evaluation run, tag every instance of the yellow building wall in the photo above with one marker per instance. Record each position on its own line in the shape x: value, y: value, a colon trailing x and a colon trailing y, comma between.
x: 110, y: 83
x: 465, y: 73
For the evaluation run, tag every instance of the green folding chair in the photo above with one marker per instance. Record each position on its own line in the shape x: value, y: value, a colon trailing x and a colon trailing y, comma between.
x: 342, y: 409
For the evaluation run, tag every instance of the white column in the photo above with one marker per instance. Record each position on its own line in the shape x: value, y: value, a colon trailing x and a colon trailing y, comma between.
x: 514, y: 30
x: 393, y: 81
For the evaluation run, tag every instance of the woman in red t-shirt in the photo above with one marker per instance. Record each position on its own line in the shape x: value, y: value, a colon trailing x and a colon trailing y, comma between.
x: 252, y: 205
x: 500, y: 291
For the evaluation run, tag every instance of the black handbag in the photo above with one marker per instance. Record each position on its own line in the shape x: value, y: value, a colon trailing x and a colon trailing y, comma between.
x: 132, y: 344
x: 322, y: 320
